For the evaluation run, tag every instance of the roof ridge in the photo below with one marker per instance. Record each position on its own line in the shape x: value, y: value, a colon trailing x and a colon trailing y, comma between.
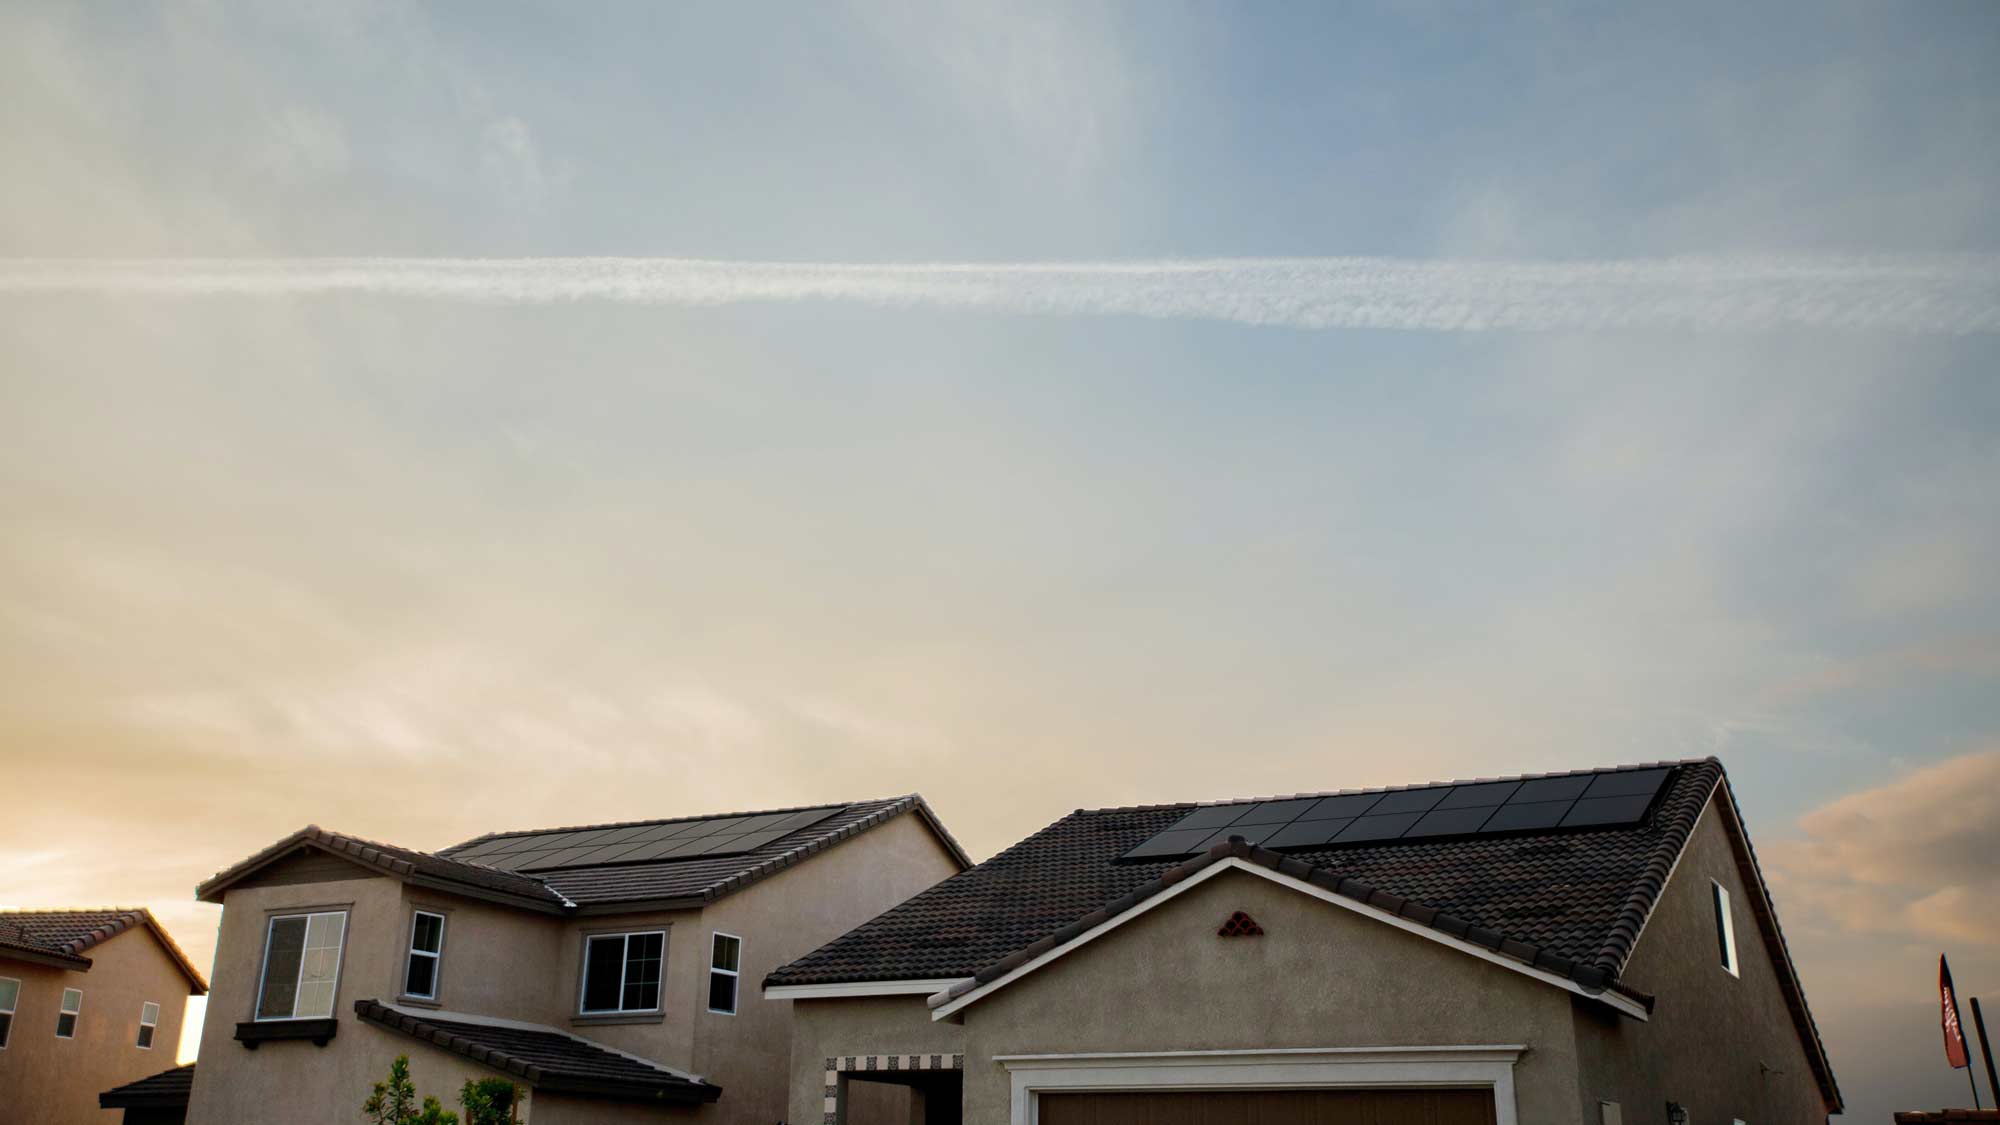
x: 1401, y: 788
x: 44, y: 910
x: 672, y: 819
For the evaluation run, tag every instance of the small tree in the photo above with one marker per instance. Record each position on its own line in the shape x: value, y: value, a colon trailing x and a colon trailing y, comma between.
x: 489, y: 1101
x: 394, y: 1101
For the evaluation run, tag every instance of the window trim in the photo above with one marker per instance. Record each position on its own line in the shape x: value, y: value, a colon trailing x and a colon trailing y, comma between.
x: 437, y: 959
x: 75, y: 1017
x: 715, y: 940
x: 263, y: 970
x: 12, y: 1009
x: 145, y: 1025
x: 624, y: 964
x: 1725, y: 929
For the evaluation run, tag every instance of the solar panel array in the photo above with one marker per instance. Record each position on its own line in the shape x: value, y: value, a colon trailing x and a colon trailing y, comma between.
x: 1600, y: 800
x: 680, y: 839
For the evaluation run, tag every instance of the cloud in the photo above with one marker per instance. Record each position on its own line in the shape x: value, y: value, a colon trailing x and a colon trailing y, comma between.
x: 1952, y: 295
x: 1913, y: 857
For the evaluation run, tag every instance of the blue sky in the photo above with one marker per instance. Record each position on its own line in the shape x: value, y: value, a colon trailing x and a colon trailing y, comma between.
x: 575, y: 561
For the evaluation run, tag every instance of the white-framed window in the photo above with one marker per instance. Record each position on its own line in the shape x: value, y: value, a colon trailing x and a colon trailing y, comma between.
x: 149, y: 1019
x: 10, y: 995
x: 72, y: 1007
x: 301, y: 965
x: 725, y: 965
x: 420, y: 978
x: 621, y: 973
x: 1725, y: 929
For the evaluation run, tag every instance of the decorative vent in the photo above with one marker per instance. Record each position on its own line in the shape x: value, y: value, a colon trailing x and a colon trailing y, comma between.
x: 1240, y: 925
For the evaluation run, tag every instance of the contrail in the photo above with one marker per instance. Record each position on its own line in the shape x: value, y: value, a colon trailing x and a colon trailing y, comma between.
x: 1949, y: 295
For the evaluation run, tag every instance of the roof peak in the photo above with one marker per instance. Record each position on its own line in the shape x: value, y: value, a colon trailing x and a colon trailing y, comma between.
x: 681, y: 819
x: 1668, y: 764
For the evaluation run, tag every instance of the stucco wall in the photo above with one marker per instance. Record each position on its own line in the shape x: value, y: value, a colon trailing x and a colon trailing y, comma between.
x: 1723, y: 1046
x: 784, y: 918
x: 893, y: 1025
x: 46, y: 1079
x: 1321, y: 976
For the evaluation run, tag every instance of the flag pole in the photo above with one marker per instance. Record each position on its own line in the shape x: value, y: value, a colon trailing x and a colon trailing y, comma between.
x: 1992, y: 1084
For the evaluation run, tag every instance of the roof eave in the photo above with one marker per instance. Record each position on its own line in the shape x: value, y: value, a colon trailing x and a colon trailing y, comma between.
x: 46, y: 957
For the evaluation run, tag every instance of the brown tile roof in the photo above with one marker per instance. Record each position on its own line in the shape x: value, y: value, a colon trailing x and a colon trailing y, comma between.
x: 602, y: 889
x: 1571, y: 902
x: 549, y: 1060
x: 168, y: 1089
x: 63, y: 936
x: 402, y: 863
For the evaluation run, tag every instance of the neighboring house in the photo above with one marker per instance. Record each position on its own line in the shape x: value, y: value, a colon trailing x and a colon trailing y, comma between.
x: 1565, y: 949
x: 88, y: 999
x: 598, y: 967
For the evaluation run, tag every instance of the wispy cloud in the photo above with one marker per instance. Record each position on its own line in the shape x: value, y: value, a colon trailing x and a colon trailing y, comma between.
x: 1949, y: 295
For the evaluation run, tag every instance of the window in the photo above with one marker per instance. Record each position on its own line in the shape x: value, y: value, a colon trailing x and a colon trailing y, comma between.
x: 1608, y: 1113
x: 1725, y: 929
x: 301, y: 966
x: 10, y: 995
x: 426, y: 948
x: 72, y: 1007
x: 621, y: 972
x: 149, y: 1018
x: 724, y: 965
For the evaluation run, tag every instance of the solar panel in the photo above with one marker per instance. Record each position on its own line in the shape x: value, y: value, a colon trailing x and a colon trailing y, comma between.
x: 1612, y: 799
x: 639, y: 843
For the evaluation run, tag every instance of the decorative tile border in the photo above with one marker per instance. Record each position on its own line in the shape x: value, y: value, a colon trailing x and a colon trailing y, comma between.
x: 837, y: 1065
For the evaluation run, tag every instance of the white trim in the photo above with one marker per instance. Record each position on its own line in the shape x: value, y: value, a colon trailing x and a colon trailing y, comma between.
x: 735, y: 974
x: 859, y: 988
x: 9, y: 1011
x: 1491, y: 1067
x: 943, y: 1008
x: 437, y: 958
x: 145, y: 1024
x: 62, y: 1009
x: 1725, y: 920
x: 624, y: 965
x: 1674, y: 866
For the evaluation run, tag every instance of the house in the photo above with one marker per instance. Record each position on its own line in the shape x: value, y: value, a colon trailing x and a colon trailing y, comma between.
x: 602, y: 968
x: 88, y: 999
x: 1562, y: 949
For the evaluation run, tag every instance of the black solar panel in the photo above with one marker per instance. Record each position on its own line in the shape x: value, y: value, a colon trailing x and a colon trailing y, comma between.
x: 638, y: 843
x: 1602, y: 800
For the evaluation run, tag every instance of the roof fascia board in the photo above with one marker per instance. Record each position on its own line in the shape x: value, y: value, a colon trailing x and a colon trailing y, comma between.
x: 51, y: 959
x: 1611, y: 999
x: 468, y: 890
x: 859, y: 988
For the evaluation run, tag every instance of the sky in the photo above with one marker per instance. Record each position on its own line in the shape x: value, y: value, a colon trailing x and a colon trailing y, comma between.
x: 1034, y: 406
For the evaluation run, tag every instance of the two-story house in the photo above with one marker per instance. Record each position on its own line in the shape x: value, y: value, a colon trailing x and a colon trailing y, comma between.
x: 88, y: 999
x: 609, y: 970
x: 1587, y: 948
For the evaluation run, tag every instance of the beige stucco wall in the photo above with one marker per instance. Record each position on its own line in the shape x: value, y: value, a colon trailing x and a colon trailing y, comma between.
x: 46, y: 1079
x: 1725, y: 1047
x: 1321, y: 976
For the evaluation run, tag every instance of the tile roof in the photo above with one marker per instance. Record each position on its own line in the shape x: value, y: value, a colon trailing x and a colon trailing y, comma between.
x: 403, y: 863
x: 1577, y: 895
x: 544, y: 1058
x: 602, y: 889
x: 168, y: 1089
x: 63, y: 936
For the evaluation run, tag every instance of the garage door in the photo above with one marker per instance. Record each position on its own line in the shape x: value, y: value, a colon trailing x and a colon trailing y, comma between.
x: 1271, y: 1107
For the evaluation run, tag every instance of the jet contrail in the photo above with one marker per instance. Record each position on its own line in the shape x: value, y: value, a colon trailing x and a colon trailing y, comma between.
x: 1950, y: 295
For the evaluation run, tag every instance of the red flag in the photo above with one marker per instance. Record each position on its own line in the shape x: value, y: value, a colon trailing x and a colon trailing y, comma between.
x: 1954, y: 1035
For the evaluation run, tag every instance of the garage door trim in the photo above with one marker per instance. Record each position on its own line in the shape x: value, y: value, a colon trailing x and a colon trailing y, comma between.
x: 1482, y: 1066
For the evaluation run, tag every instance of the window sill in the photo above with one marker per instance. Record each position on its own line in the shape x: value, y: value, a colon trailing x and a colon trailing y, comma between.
x: 251, y: 1033
x: 617, y: 1017
x: 418, y: 1002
